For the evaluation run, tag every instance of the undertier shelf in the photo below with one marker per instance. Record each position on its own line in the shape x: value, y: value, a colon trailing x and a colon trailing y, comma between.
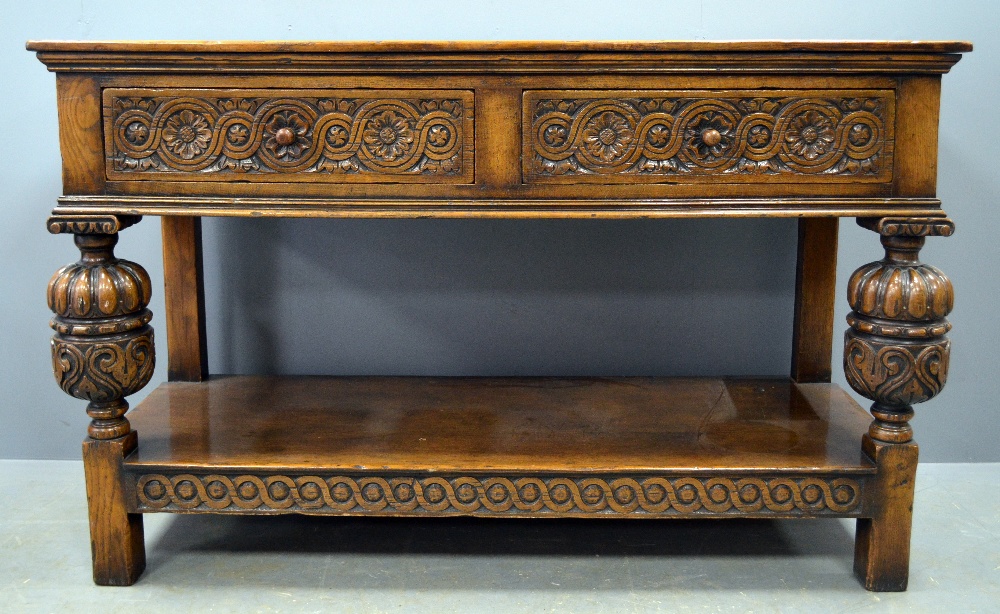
x: 635, y: 447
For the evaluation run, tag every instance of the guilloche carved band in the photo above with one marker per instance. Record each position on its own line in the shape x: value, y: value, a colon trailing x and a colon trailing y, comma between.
x: 895, y: 351
x: 791, y: 134
x: 363, y: 135
x: 507, y: 495
x: 103, y: 348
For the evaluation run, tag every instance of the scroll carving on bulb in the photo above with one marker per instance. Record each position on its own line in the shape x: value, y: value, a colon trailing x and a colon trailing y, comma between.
x: 896, y: 350
x: 102, y: 350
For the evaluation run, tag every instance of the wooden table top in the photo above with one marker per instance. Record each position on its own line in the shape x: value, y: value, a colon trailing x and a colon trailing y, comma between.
x: 779, y: 46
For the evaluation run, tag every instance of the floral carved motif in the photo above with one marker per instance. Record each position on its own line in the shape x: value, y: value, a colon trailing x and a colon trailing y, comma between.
x: 762, y: 134
x: 186, y: 134
x: 349, y: 132
x: 607, y: 135
x: 501, y: 495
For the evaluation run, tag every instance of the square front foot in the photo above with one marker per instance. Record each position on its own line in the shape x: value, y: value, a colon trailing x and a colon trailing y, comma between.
x: 116, y: 539
x: 882, y: 543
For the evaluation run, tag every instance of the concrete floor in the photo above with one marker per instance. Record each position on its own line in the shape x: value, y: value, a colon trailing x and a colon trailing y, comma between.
x: 301, y: 564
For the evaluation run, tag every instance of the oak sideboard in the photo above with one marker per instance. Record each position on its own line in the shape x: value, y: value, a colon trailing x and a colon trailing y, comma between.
x: 809, y: 130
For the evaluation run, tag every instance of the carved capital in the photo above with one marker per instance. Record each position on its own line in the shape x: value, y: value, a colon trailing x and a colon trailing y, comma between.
x: 103, y: 347
x: 895, y: 351
x: 909, y: 227
x: 90, y: 224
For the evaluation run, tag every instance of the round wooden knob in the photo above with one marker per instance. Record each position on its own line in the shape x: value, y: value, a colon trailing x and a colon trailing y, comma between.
x: 711, y: 137
x: 284, y: 136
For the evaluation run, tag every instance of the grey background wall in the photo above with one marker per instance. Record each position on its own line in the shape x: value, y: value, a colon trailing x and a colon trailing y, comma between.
x: 498, y: 297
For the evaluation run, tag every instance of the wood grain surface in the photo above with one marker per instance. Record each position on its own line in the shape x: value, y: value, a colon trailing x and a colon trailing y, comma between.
x: 510, y: 424
x: 116, y: 536
x: 184, y: 296
x: 809, y: 129
x: 815, y: 290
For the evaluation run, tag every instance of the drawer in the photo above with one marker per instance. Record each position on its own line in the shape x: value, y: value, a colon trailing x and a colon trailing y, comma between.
x: 274, y: 135
x: 690, y: 136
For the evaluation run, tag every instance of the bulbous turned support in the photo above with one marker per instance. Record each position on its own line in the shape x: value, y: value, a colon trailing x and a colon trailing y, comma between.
x: 103, y: 347
x: 896, y: 352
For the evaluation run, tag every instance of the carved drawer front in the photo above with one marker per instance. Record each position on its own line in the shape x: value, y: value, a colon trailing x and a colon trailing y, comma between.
x: 328, y: 136
x: 738, y: 136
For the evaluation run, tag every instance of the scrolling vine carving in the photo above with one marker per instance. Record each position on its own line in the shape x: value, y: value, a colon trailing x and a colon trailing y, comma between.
x: 357, y: 133
x: 500, y: 495
x: 758, y: 133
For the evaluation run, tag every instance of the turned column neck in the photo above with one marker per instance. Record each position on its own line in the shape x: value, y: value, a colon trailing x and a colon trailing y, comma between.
x: 96, y: 249
x: 903, y: 250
